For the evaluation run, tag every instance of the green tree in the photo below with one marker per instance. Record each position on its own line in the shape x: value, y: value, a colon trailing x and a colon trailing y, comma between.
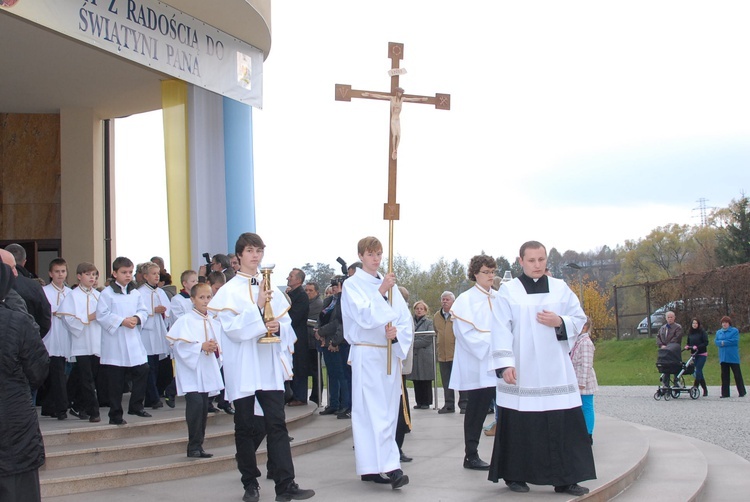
x: 320, y: 274
x: 734, y: 243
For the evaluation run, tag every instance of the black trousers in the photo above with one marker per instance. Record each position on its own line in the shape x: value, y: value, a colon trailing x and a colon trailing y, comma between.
x: 115, y: 378
x: 152, y: 393
x: 196, y: 416
x: 725, y: 367
x: 23, y: 487
x: 313, y: 366
x: 82, y: 387
x: 301, y: 370
x: 450, y: 397
x: 402, y: 429
x: 423, y: 392
x: 56, y: 399
x: 479, y: 401
x: 246, y: 437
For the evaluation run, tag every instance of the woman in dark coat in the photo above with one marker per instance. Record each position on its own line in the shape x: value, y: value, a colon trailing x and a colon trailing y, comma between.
x: 24, y: 364
x: 423, y: 368
x: 697, y: 343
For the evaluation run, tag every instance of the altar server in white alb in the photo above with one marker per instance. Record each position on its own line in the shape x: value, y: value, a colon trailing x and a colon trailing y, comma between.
x: 255, y: 370
x: 474, y: 324
x: 57, y: 342
x: 154, y: 330
x: 369, y: 322
x: 78, y: 312
x: 195, y: 343
x: 542, y: 437
x: 121, y: 313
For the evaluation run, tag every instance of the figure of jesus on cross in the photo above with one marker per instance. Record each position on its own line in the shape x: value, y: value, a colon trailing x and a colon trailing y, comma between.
x: 397, y: 103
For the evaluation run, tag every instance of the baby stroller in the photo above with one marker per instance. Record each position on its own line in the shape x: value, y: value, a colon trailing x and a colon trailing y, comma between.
x: 669, y: 362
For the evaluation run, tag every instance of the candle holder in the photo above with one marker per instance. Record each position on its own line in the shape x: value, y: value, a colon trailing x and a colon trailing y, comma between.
x: 268, y: 316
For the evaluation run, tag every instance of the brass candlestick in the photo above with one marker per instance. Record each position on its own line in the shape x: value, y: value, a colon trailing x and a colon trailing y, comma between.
x: 268, y: 316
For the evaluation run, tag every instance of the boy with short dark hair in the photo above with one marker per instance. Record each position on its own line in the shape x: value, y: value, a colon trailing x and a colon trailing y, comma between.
x: 57, y: 341
x: 78, y: 312
x: 194, y: 338
x: 154, y: 330
x: 121, y: 313
x: 256, y: 371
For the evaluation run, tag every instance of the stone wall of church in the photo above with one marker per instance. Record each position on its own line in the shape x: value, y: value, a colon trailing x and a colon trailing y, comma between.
x: 29, y: 176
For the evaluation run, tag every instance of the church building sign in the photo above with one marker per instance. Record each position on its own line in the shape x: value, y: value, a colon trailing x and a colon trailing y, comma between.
x: 156, y: 35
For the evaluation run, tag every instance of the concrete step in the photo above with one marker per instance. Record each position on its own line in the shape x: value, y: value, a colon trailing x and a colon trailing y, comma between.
x: 148, y: 439
x: 436, y: 474
x: 154, y: 450
x: 676, y: 470
x: 728, y: 474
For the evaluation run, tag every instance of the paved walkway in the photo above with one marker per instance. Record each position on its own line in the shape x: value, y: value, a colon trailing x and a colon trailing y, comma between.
x: 723, y: 422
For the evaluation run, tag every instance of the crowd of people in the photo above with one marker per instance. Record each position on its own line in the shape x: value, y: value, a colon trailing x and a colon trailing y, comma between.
x: 227, y: 341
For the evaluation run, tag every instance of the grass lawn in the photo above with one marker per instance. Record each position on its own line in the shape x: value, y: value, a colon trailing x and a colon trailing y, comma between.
x: 633, y: 362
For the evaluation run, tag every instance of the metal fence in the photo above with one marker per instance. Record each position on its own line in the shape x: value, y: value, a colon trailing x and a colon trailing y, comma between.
x: 640, y: 308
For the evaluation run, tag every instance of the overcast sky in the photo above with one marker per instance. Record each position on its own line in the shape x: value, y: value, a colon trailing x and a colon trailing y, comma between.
x: 579, y: 124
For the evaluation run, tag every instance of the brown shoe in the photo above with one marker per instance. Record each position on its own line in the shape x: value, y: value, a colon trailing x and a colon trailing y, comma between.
x: 296, y: 403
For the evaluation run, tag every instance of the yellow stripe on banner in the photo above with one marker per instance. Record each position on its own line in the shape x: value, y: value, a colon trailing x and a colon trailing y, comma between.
x: 174, y: 109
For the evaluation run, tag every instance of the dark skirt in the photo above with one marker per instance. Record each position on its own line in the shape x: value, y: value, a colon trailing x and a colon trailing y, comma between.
x: 542, y: 448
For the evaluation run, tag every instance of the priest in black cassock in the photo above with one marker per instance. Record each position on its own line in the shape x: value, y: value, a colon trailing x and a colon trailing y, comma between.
x: 541, y: 437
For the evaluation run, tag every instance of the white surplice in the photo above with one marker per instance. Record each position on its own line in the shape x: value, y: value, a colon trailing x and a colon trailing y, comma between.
x: 249, y: 365
x: 85, y: 335
x: 154, y: 331
x: 375, y: 394
x: 179, y: 306
x: 121, y: 346
x: 473, y: 324
x: 57, y: 339
x: 195, y: 370
x: 545, y: 376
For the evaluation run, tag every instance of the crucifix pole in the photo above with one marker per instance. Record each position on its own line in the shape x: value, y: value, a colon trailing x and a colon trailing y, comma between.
x: 397, y: 98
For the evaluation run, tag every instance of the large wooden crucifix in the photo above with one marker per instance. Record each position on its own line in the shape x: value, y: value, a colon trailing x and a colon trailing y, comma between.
x: 397, y: 98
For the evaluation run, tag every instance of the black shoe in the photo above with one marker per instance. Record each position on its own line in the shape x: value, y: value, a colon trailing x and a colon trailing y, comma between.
x: 476, y: 464
x: 227, y: 409
x: 169, y: 401
x: 62, y: 415
x: 518, y: 486
x: 95, y: 419
x: 398, y: 479
x: 403, y: 457
x: 346, y: 414
x: 575, y: 489
x: 294, y: 492
x: 445, y: 409
x: 329, y: 410
x: 140, y: 413
x: 79, y: 414
x: 213, y: 409
x: 376, y: 478
x: 157, y: 405
x: 252, y: 494
x: 421, y: 407
x: 199, y: 454
x: 117, y: 421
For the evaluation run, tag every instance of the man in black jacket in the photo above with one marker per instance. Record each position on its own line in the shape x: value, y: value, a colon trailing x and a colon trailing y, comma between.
x: 31, y: 291
x: 300, y: 307
x: 23, y: 365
